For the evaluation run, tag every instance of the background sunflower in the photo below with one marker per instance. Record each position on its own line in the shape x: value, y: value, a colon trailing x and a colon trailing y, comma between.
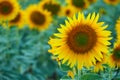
x: 117, y: 26
x: 67, y: 11
x: 50, y: 5
x: 8, y: 9
x: 18, y: 20
x: 78, y: 4
x: 92, y: 1
x: 114, y: 59
x: 112, y: 2
x: 37, y: 18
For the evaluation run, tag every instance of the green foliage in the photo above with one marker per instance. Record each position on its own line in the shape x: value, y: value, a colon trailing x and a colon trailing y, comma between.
x: 24, y: 55
x: 65, y: 78
x: 65, y: 67
x: 91, y: 76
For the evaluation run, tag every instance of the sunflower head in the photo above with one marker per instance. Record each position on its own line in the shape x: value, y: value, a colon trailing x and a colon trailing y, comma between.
x: 51, y: 6
x: 102, y: 11
x: 67, y: 11
x: 18, y: 20
x: 112, y: 2
x: 117, y: 28
x: 81, y: 41
x: 78, y: 4
x: 8, y: 9
x: 91, y: 1
x: 115, y: 56
x: 39, y: 19
x: 116, y: 53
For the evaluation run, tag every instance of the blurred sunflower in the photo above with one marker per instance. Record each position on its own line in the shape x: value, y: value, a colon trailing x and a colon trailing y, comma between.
x: 112, y: 2
x: 37, y: 18
x: 118, y: 29
x: 50, y: 6
x: 70, y: 74
x: 81, y: 41
x: 114, y: 59
x: 8, y: 9
x: 102, y: 11
x: 67, y: 11
x: 78, y: 4
x: 91, y: 1
x: 18, y: 20
x: 99, y: 64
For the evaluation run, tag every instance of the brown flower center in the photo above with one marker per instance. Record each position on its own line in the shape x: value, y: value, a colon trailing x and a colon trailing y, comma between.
x: 81, y: 39
x: 16, y: 19
x: 67, y: 12
x: 112, y: 0
x: 6, y: 8
x: 116, y: 53
x: 53, y: 8
x: 37, y: 18
x: 78, y: 3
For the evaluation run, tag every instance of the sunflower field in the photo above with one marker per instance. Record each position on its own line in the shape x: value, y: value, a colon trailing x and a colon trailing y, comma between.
x: 59, y: 39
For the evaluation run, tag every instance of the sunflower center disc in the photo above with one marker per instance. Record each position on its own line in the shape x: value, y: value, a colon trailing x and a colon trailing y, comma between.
x: 81, y: 39
x: 68, y: 12
x: 53, y: 8
x: 112, y: 0
x: 37, y: 18
x: 91, y: 1
x: 6, y: 8
x: 78, y: 3
x: 16, y: 19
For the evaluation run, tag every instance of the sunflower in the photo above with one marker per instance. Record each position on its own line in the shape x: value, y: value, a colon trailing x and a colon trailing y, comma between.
x: 78, y: 4
x: 118, y: 29
x: 70, y: 74
x: 8, y: 9
x: 99, y: 64
x: 102, y: 11
x: 68, y: 11
x: 18, y: 20
x: 53, y: 7
x: 37, y: 18
x: 81, y: 41
x: 114, y: 59
x: 91, y: 1
x: 112, y: 2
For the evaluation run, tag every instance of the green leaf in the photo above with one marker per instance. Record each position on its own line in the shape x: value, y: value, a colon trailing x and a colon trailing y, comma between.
x: 91, y: 76
x: 65, y: 67
x: 116, y: 77
x: 65, y: 78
